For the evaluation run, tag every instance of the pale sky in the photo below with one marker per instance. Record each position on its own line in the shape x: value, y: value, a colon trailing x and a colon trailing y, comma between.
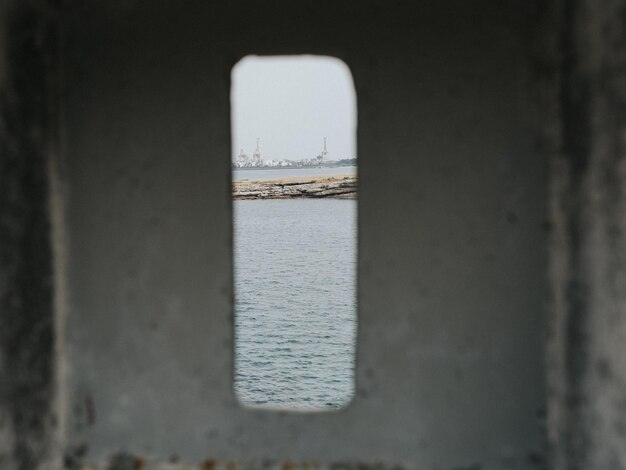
x: 291, y: 103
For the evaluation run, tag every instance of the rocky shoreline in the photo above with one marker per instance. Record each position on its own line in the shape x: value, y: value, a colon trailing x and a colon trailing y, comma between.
x: 316, y: 187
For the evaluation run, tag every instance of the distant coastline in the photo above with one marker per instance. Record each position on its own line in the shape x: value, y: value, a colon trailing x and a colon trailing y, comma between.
x: 294, y: 167
x: 299, y: 164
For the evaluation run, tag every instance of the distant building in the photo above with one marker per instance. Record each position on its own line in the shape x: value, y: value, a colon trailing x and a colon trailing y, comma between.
x: 323, y: 157
x: 241, y: 160
x: 257, y: 160
x: 244, y: 161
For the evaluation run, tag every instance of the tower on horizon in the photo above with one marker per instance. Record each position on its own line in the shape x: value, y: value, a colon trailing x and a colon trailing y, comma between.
x: 257, y: 153
x: 324, y: 155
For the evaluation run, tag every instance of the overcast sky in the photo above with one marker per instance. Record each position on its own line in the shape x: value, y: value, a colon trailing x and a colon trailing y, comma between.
x: 291, y: 103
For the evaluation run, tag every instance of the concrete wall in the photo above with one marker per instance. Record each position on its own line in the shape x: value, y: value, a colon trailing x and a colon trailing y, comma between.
x: 29, y: 66
x: 115, y: 234
x: 452, y: 255
x: 588, y: 339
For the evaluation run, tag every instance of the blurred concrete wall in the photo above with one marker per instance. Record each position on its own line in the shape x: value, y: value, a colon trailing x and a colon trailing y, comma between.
x: 489, y: 292
x: 588, y: 250
x: 29, y: 123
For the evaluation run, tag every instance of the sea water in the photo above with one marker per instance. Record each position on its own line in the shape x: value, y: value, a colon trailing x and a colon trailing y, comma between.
x: 268, y: 173
x: 295, y: 302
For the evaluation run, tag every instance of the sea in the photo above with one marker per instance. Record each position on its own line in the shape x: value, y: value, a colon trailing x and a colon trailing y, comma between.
x: 295, y: 301
x: 276, y: 173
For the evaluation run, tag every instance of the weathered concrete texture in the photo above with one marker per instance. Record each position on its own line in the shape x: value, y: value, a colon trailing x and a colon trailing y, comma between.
x: 452, y: 248
x: 589, y: 247
x: 452, y: 258
x: 29, y: 63
x: 124, y: 461
x: 343, y: 187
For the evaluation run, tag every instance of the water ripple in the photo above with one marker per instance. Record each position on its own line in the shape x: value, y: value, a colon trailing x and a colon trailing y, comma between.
x: 295, y: 307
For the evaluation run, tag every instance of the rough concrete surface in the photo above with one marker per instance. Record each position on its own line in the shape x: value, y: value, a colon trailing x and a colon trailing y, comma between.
x: 116, y: 235
x: 29, y: 62
x: 588, y: 401
x: 452, y: 248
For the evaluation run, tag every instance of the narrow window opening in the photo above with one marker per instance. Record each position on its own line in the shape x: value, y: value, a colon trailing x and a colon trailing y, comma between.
x: 295, y: 231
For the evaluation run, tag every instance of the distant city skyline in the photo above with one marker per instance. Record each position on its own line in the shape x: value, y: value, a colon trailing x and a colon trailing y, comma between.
x: 291, y: 103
